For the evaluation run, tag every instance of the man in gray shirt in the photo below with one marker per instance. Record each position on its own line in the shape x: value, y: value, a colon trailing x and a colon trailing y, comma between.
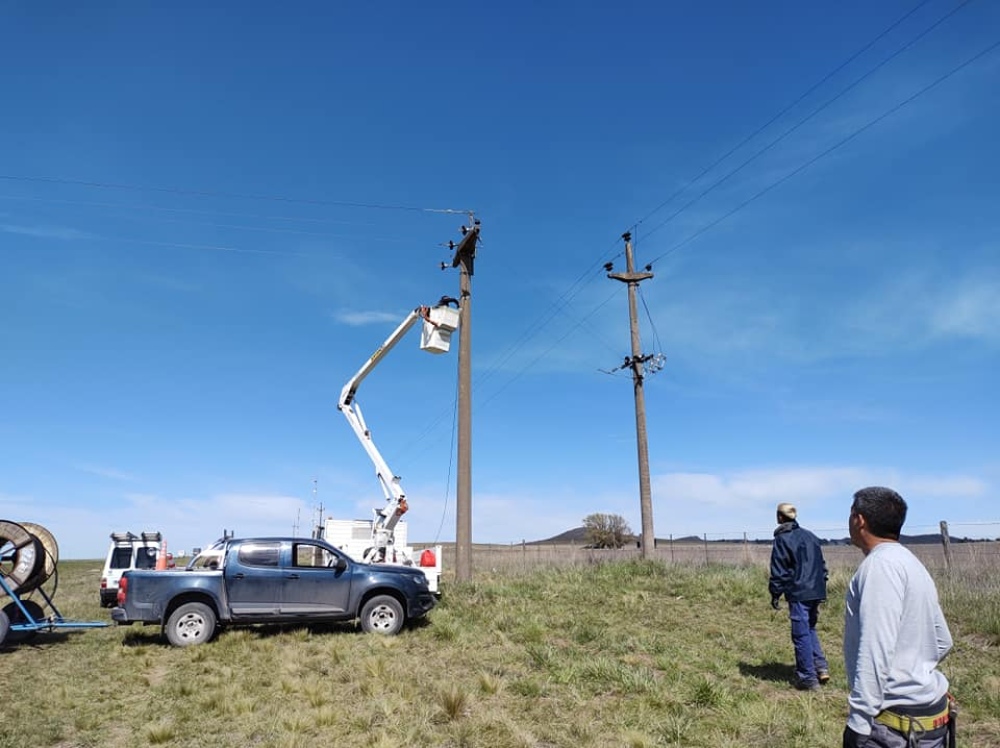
x: 894, y: 636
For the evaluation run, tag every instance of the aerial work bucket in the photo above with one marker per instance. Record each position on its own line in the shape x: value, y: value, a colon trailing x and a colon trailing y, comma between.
x: 439, y: 324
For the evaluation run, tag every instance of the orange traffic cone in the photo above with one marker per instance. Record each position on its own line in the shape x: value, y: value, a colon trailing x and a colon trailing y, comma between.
x: 161, y: 559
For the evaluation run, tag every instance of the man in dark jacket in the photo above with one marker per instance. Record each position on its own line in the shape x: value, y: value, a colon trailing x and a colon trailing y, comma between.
x: 798, y: 572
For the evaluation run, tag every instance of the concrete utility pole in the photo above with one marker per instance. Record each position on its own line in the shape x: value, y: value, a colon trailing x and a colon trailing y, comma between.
x: 464, y: 259
x: 636, y: 362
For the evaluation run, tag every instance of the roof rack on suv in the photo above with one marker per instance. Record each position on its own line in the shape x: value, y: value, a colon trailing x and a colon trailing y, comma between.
x: 128, y: 537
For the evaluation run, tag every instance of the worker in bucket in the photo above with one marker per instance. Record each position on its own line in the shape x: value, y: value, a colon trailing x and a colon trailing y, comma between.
x: 895, y: 635
x: 798, y: 572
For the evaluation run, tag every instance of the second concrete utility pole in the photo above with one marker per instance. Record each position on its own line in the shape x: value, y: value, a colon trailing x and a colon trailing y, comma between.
x: 636, y: 362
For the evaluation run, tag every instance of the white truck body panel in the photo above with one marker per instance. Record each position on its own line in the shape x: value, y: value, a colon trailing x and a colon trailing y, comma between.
x: 354, y: 537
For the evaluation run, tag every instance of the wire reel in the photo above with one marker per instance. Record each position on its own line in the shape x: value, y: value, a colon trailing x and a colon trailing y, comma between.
x: 22, y: 557
x: 51, y: 554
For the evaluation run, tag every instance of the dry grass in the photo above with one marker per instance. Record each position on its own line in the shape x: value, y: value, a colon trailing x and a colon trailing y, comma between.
x: 593, y: 653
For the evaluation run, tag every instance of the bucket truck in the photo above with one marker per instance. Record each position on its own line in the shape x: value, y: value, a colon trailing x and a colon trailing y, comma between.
x: 383, y: 538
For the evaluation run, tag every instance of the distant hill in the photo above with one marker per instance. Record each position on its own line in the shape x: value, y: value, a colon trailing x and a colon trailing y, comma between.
x: 576, y: 535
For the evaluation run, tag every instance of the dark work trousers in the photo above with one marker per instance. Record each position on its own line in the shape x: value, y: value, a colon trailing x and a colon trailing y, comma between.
x: 809, y: 657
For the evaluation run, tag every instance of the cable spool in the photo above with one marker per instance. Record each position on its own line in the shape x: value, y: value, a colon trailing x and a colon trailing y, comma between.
x: 50, y: 553
x: 21, y: 556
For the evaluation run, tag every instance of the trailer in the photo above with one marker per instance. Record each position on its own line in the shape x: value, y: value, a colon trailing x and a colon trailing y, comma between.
x: 28, y: 560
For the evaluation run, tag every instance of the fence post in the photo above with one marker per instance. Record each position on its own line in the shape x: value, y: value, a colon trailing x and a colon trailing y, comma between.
x: 671, y: 547
x: 706, y: 548
x: 946, y: 542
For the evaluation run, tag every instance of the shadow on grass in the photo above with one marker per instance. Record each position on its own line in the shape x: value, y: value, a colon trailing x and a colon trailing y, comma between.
x: 778, y: 672
x: 150, y: 636
x: 37, y: 639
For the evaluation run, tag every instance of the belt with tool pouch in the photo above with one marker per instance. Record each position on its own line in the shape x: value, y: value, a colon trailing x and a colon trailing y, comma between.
x: 905, y: 723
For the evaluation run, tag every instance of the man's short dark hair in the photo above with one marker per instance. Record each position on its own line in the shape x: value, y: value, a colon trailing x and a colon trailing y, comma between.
x: 883, y: 509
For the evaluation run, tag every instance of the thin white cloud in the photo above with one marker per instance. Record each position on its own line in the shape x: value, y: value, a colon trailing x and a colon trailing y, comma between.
x: 762, y: 487
x: 895, y: 312
x: 44, y: 232
x: 918, y: 309
x: 360, y: 319
x: 104, y: 472
x: 693, y: 503
x: 968, y: 310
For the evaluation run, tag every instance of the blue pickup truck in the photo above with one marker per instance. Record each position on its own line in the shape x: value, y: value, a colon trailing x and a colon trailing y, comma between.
x: 271, y: 580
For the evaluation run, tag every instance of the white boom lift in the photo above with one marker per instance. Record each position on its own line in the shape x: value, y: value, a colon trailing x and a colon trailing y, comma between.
x: 381, y: 542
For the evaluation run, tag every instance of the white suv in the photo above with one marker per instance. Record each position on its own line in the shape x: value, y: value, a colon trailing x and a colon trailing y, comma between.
x: 127, y: 551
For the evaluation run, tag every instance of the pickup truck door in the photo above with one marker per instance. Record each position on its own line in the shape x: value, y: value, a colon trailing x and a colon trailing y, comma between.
x: 254, y: 579
x: 313, y: 585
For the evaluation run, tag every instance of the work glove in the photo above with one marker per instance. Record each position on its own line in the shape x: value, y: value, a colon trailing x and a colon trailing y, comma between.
x: 775, y: 601
x: 855, y: 739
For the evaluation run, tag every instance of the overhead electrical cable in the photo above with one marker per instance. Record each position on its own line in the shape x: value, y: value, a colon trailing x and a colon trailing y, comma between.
x: 451, y: 459
x: 567, y: 296
x: 790, y: 130
x: 545, y: 352
x: 541, y: 322
x: 230, y: 195
x: 477, y: 386
x: 844, y: 141
x: 807, y: 118
x: 652, y: 324
x: 783, y: 112
x: 560, y: 304
x: 140, y: 206
x: 181, y: 245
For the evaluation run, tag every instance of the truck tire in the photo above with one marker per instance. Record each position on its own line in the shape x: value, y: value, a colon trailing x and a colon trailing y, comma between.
x: 189, y: 624
x: 382, y: 615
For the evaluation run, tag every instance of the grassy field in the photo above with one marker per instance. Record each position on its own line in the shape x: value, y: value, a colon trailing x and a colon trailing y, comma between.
x: 600, y: 652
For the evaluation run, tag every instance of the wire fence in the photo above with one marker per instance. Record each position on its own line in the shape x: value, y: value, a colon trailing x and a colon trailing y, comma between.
x: 966, y: 547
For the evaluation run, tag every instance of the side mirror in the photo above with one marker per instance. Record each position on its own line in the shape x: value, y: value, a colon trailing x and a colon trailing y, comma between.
x: 340, y: 564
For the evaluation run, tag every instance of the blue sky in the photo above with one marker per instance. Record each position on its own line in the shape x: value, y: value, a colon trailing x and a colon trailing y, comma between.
x: 211, y: 216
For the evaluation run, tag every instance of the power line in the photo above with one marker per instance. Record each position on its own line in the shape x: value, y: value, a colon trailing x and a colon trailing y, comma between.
x: 541, y: 322
x: 546, y: 351
x: 808, y: 117
x: 882, y: 34
x: 831, y: 149
x: 806, y: 165
x: 563, y: 301
x: 128, y: 207
x: 180, y: 245
x: 784, y: 111
x: 480, y: 381
x: 231, y: 195
x: 649, y: 316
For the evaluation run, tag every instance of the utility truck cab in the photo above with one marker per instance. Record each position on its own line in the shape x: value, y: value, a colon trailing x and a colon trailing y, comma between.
x: 127, y: 551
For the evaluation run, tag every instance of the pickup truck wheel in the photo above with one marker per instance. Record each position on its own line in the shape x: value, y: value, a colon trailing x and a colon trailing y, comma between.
x: 382, y: 615
x: 191, y: 623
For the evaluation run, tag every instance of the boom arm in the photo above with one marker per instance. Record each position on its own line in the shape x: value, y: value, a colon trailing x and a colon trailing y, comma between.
x: 385, y: 519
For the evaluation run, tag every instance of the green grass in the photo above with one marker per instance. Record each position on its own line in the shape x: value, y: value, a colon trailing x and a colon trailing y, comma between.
x: 627, y: 653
